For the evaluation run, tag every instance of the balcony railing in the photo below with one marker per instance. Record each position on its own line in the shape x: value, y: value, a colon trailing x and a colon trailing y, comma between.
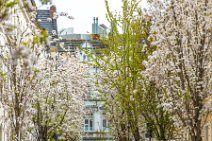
x: 91, y: 129
x: 88, y: 129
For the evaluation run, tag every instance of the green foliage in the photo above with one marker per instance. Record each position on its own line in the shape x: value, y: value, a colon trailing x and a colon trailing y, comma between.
x: 130, y: 102
x: 153, y: 112
x: 10, y: 4
x: 41, y: 38
x: 5, y: 7
x: 3, y: 75
x: 44, y: 1
x: 128, y: 45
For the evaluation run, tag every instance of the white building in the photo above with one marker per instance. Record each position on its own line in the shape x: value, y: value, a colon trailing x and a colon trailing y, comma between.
x: 96, y: 125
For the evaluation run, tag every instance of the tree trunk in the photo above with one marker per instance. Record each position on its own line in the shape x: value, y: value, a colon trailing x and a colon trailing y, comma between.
x: 136, y: 134
x: 42, y: 133
x: 123, y: 134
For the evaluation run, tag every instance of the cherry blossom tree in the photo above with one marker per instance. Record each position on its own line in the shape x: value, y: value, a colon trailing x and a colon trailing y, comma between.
x: 44, y: 102
x: 182, y: 64
x: 19, y: 53
x: 18, y: 58
x: 59, y: 99
x: 5, y: 5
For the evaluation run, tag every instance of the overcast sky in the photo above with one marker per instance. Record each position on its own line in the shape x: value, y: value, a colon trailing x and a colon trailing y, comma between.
x: 83, y: 12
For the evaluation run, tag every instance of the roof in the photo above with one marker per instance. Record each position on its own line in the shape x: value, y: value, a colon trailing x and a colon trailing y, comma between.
x: 66, y: 45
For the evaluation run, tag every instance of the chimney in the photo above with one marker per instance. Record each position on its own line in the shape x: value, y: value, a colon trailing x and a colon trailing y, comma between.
x: 93, y: 26
x: 96, y: 25
x: 52, y: 10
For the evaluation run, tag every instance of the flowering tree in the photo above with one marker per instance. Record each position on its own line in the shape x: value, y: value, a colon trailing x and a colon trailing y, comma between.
x: 18, y: 58
x: 46, y: 100
x: 19, y: 54
x: 59, y: 99
x: 182, y: 64
x: 5, y: 5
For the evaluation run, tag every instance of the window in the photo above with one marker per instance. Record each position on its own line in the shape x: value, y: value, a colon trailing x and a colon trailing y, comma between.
x: 84, y: 57
x: 88, y: 125
x: 104, y: 124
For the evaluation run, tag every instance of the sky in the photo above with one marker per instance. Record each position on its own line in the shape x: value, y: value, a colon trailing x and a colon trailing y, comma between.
x: 83, y: 12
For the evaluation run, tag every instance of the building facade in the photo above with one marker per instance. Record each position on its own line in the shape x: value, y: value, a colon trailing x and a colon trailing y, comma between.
x: 72, y: 37
x: 96, y: 125
x: 66, y: 31
x: 47, y: 19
